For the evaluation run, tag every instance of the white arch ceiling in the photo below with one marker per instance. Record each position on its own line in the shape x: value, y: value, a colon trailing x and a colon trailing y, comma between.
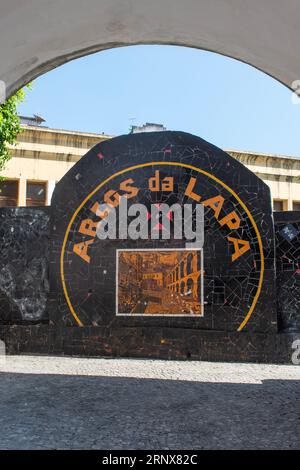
x: 38, y: 35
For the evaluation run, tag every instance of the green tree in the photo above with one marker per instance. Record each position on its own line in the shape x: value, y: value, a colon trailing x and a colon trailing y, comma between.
x: 10, y: 125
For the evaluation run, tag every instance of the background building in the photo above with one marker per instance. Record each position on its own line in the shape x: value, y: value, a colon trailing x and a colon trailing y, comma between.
x: 43, y: 155
x: 40, y: 159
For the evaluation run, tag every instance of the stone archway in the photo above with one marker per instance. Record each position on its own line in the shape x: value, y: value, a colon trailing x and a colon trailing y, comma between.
x: 38, y: 35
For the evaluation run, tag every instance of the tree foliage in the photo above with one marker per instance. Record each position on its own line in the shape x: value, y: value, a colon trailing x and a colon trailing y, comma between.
x: 10, y: 125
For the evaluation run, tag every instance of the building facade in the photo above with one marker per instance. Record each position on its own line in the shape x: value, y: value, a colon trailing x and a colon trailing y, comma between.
x: 43, y: 155
x: 40, y: 159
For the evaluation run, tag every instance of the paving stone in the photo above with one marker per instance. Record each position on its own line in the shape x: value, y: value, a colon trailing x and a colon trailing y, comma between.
x: 73, y: 403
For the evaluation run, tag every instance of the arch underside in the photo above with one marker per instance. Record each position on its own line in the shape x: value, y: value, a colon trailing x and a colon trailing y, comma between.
x: 37, y: 35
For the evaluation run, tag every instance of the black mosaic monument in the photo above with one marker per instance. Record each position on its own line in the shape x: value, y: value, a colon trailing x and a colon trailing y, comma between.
x: 235, y: 288
x: 180, y: 263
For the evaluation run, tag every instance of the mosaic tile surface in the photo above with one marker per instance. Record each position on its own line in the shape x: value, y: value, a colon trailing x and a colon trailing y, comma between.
x: 238, y: 291
x: 24, y: 284
x: 153, y: 342
x: 287, y: 225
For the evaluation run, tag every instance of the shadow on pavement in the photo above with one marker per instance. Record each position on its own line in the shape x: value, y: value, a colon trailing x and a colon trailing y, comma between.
x: 89, y: 412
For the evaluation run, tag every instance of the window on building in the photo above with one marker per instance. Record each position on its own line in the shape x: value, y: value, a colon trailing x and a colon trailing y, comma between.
x: 35, y: 193
x: 9, y: 191
x: 296, y: 205
x: 279, y: 205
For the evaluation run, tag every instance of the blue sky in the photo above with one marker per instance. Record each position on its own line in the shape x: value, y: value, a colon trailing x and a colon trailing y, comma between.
x: 228, y: 103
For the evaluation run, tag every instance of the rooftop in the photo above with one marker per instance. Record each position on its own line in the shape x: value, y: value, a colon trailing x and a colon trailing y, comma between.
x: 34, y: 123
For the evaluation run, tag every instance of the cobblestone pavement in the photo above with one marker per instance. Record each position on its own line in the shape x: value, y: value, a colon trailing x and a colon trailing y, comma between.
x: 72, y: 403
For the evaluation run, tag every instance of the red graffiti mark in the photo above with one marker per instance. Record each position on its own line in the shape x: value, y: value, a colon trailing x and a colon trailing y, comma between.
x: 100, y: 155
x: 159, y: 227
